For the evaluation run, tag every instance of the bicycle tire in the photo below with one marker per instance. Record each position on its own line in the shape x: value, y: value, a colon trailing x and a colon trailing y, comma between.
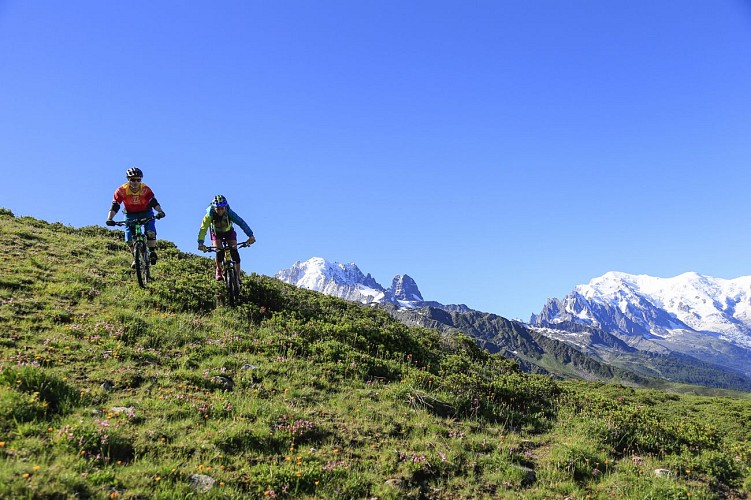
x: 236, y: 289
x: 142, y: 263
x: 233, y: 289
x: 147, y: 258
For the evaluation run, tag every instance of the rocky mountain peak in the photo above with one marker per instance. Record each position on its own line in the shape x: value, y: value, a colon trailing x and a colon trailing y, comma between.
x: 404, y: 288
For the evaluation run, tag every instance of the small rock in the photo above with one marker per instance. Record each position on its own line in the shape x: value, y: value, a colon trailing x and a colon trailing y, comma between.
x: 107, y: 386
x: 127, y: 410
x: 226, y: 383
x: 248, y: 366
x: 663, y: 473
x: 201, y: 482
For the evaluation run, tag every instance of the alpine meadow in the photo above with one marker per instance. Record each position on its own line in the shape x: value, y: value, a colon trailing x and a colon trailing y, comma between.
x: 110, y: 390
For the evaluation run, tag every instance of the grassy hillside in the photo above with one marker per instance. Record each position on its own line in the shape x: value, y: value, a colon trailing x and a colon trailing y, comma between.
x: 111, y: 391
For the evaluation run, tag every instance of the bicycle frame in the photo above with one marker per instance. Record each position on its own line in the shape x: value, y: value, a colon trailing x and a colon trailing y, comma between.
x: 141, y: 251
x: 231, y: 279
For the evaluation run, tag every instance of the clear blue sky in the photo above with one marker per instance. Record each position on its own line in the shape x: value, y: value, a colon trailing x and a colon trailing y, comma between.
x: 499, y: 152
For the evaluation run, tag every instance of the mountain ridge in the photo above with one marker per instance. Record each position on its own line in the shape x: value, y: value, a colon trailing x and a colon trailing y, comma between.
x: 612, y: 322
x: 347, y: 281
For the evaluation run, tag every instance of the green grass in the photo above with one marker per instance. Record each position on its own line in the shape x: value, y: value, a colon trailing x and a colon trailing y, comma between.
x: 108, y: 390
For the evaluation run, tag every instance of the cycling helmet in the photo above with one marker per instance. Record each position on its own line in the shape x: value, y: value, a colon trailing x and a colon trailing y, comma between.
x: 133, y: 172
x: 219, y: 201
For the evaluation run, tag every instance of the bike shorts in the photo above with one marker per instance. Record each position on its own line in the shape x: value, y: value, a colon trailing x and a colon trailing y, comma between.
x: 150, y: 226
x: 216, y: 238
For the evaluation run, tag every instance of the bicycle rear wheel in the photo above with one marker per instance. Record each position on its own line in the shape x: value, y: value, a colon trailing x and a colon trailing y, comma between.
x: 142, y: 263
x: 233, y: 287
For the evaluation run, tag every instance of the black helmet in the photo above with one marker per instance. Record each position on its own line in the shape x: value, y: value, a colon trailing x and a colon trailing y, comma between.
x: 133, y: 172
x: 219, y: 201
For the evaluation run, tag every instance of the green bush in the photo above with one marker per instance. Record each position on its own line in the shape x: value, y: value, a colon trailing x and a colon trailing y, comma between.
x: 17, y: 407
x: 53, y: 393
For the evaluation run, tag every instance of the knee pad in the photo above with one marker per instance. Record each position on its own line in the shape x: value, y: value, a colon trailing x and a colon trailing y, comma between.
x: 150, y: 235
x: 235, y: 254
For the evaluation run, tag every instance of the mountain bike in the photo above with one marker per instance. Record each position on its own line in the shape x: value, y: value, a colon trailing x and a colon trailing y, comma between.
x: 231, y: 279
x: 141, y: 252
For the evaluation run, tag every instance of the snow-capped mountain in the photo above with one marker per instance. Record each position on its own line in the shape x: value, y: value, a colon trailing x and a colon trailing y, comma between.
x: 345, y: 281
x: 348, y: 282
x: 701, y: 316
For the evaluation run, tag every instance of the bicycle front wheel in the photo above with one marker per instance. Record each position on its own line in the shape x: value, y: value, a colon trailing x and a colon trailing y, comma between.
x: 142, y: 263
x: 233, y: 287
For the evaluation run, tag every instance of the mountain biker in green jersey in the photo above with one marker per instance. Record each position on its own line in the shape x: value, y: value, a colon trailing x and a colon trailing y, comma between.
x: 220, y: 218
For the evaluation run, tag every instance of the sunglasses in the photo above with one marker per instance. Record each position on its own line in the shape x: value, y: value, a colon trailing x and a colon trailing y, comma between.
x: 134, y: 179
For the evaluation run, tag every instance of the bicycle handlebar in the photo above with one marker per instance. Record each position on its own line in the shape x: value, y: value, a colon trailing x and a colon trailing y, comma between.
x: 134, y: 222
x: 239, y: 245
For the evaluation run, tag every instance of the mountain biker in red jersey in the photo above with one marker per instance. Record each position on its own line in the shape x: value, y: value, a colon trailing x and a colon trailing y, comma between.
x: 219, y: 217
x: 139, y: 202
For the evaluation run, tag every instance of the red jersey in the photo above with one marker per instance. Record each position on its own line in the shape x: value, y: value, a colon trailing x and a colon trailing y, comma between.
x: 134, y: 202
